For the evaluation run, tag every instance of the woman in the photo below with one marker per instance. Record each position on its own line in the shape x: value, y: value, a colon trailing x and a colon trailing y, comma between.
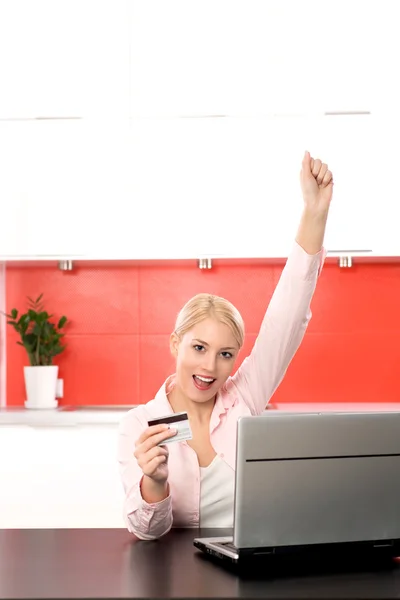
x: 191, y: 483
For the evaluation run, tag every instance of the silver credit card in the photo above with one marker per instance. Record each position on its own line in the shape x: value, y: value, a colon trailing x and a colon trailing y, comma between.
x: 178, y: 421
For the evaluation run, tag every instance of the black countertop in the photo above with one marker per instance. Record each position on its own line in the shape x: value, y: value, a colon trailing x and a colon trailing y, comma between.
x: 110, y: 563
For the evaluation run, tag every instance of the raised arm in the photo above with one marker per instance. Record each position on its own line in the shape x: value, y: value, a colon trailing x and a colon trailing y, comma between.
x: 288, y: 313
x: 317, y: 187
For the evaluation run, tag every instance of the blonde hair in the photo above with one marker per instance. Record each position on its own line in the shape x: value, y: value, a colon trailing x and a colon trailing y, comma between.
x: 203, y: 306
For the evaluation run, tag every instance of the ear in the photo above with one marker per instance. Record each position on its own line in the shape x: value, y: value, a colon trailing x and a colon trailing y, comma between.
x: 174, y: 344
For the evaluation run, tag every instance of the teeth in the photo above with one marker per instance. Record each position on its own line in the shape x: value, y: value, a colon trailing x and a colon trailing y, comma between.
x: 205, y: 379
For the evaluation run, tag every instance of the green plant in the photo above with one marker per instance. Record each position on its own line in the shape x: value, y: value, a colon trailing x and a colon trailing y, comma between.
x: 39, y: 336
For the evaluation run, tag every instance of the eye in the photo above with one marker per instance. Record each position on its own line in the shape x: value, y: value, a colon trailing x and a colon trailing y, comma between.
x: 227, y: 354
x: 198, y: 347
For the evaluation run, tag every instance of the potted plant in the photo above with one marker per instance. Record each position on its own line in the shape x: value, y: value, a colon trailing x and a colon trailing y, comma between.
x: 42, y: 341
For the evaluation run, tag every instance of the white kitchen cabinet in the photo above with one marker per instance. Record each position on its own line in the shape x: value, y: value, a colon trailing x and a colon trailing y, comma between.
x: 59, y: 477
x: 346, y: 143
x: 257, y: 57
x: 42, y: 177
x: 229, y: 187
x: 58, y: 178
x: 219, y: 187
x: 188, y: 188
x: 68, y: 58
x: 363, y: 154
x: 385, y: 191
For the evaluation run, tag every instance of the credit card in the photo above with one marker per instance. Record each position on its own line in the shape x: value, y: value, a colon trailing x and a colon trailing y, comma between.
x: 178, y: 421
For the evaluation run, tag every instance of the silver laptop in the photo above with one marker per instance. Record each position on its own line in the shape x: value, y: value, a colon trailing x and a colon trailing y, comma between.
x: 314, y: 481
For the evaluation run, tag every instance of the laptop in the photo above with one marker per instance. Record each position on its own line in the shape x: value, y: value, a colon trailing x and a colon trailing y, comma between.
x: 317, y: 483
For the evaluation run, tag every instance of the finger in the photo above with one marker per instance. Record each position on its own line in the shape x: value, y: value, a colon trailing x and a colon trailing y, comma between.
x: 152, y: 430
x: 156, y: 451
x: 327, y: 178
x: 145, y: 457
x: 153, y: 465
x: 321, y: 174
x: 316, y: 167
x: 306, y: 164
x: 156, y: 439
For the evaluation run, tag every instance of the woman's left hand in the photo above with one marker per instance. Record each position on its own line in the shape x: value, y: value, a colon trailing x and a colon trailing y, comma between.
x: 316, y: 184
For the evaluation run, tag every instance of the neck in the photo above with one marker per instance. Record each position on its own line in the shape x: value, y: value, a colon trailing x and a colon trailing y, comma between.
x: 198, y: 412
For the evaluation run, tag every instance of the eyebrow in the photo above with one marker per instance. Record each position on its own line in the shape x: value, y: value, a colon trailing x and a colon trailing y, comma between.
x: 203, y: 343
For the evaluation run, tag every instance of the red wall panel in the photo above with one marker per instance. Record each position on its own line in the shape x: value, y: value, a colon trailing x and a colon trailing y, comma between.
x: 121, y: 317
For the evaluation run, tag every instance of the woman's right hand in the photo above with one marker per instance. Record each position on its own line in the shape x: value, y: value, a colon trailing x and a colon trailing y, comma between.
x: 152, y: 458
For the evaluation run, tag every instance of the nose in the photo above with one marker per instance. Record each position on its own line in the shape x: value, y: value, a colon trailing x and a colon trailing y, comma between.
x: 209, y: 363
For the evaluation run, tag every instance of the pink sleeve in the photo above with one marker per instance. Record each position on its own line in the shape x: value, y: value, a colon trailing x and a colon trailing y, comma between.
x: 282, y: 330
x: 146, y: 521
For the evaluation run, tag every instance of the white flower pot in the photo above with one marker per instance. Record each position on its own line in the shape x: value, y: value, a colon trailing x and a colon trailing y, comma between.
x: 40, y: 385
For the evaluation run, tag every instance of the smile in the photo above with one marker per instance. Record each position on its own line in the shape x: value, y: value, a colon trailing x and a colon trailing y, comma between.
x: 203, y: 383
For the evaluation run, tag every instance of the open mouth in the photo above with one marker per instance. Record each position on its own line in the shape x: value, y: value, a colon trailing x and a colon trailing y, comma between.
x: 203, y: 383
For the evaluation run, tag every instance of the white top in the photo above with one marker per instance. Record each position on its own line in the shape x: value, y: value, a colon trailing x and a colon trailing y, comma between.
x: 217, y: 488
